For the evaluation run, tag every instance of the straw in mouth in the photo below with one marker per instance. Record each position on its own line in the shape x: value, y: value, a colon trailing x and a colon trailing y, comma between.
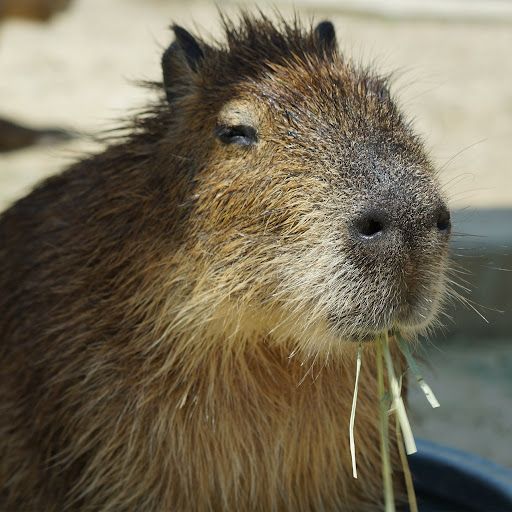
x: 353, y: 415
x: 405, y: 438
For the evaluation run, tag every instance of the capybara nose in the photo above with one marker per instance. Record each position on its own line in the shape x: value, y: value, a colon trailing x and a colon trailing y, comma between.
x: 443, y: 219
x: 370, y: 225
x: 395, y: 222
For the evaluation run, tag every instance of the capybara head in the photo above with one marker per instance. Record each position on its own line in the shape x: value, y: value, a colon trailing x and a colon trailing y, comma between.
x: 317, y: 214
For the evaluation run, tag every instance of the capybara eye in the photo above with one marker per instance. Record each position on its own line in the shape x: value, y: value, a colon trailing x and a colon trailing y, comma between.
x: 241, y: 134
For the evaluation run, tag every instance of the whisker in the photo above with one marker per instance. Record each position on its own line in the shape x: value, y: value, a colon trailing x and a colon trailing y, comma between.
x: 473, y: 235
x: 466, y: 302
x: 465, y: 288
x: 460, y: 152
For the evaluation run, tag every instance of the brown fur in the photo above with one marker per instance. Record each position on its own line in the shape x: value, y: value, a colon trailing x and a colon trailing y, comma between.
x: 176, y: 313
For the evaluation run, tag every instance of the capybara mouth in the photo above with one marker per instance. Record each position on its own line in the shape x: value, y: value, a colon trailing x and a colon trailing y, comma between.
x: 366, y: 337
x: 365, y: 334
x: 413, y: 315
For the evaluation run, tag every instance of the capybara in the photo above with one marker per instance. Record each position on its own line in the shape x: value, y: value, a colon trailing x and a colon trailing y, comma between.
x: 180, y: 314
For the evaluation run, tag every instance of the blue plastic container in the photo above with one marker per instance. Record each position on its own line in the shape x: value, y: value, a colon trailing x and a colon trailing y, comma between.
x: 446, y: 479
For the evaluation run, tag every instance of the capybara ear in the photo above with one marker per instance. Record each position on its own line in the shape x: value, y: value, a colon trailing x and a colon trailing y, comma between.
x: 180, y: 60
x: 326, y: 35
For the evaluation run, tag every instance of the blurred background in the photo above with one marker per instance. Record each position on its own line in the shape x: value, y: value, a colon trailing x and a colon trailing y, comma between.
x: 68, y: 70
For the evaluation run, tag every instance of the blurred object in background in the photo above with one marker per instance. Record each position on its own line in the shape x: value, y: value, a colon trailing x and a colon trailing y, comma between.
x: 37, y: 10
x: 15, y: 136
x: 12, y: 135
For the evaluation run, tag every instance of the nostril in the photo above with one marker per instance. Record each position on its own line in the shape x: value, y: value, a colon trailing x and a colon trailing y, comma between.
x: 369, y: 226
x: 443, y: 220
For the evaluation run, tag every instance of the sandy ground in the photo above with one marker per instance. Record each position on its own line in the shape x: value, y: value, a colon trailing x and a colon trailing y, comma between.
x: 455, y: 79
